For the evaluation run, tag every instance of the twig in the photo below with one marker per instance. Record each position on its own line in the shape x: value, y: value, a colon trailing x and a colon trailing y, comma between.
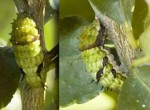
x: 119, y: 37
x: 34, y: 98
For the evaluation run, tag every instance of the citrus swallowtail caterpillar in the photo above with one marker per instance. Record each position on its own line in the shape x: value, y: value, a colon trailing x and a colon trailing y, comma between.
x: 28, y: 52
x: 99, y: 62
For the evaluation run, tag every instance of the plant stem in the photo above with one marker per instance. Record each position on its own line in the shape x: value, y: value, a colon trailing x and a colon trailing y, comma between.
x: 119, y: 37
x: 33, y: 99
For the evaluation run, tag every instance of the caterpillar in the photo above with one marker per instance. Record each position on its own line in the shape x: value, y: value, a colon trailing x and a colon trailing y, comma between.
x: 99, y: 61
x: 28, y: 52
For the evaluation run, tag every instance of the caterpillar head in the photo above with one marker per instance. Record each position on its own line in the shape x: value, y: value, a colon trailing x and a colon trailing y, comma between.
x: 89, y: 35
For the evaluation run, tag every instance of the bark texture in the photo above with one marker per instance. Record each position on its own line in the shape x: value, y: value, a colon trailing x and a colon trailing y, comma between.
x: 118, y: 35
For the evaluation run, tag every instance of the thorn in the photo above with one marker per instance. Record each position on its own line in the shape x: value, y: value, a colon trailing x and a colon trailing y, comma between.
x: 40, y: 67
x: 43, y: 86
x: 92, y: 81
x: 105, y: 61
x: 99, y: 74
x: 114, y: 73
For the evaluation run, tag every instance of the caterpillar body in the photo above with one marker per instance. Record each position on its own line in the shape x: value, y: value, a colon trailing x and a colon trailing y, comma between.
x: 28, y: 52
x: 99, y: 62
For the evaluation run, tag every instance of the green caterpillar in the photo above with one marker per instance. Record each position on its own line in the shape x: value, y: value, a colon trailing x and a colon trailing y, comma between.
x: 28, y: 52
x: 99, y: 62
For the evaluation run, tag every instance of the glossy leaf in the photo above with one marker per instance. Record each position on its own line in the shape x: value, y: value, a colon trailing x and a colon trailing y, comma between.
x: 70, y: 28
x: 127, y: 7
x: 139, y: 15
x: 74, y: 82
x: 9, y: 75
x: 114, y: 9
x: 135, y: 93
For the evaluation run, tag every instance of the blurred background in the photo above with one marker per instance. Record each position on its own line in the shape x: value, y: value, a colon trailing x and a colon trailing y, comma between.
x: 102, y: 102
x: 7, y: 14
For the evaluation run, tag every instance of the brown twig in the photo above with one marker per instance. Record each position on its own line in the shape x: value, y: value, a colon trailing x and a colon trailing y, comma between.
x: 34, y: 98
x: 119, y: 37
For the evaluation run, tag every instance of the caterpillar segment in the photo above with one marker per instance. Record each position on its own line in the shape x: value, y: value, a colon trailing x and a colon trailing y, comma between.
x: 99, y: 61
x: 27, y: 49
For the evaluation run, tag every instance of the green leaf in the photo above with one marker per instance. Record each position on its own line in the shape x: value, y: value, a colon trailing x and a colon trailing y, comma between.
x: 6, y: 17
x: 76, y: 8
x: 114, y: 9
x: 54, y: 4
x: 51, y: 33
x: 139, y: 15
x: 135, y: 93
x: 74, y: 82
x: 110, y: 8
x: 127, y: 7
x: 9, y: 75
x: 70, y: 28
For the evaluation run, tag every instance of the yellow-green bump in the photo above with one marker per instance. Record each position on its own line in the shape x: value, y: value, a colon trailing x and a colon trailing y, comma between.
x: 93, y: 58
x: 89, y: 34
x: 27, y: 48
